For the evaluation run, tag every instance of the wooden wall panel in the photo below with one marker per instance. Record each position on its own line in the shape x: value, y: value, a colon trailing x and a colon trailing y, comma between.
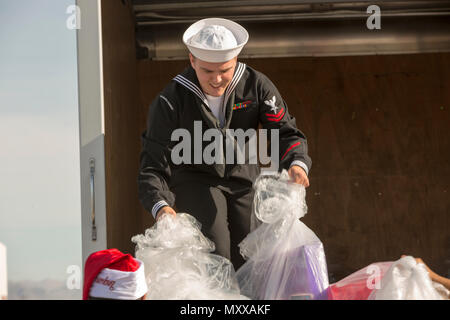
x: 122, y: 145
x: 377, y: 129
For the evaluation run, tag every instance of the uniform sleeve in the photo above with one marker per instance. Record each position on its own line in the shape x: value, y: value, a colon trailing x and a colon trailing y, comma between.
x: 273, y: 114
x: 154, y: 172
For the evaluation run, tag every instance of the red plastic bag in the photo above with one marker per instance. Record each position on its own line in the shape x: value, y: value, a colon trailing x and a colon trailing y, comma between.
x: 359, y: 285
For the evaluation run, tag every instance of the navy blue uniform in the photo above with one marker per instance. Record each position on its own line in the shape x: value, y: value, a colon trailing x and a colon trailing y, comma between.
x: 219, y: 195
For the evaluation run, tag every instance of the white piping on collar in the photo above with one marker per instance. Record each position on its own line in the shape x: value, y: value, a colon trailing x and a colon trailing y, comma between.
x: 237, y: 76
x: 197, y: 91
x: 191, y: 86
x: 167, y: 101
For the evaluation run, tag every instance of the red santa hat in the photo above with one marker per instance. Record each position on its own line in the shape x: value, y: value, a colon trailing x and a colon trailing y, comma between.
x: 112, y: 274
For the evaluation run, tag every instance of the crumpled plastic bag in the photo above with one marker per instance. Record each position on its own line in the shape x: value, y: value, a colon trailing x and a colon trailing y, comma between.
x: 285, y: 259
x: 442, y: 291
x: 360, y: 284
x: 406, y: 280
x: 179, y: 265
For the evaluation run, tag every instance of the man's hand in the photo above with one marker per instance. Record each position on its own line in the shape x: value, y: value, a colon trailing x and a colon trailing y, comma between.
x: 298, y: 175
x: 165, y: 210
x: 433, y: 275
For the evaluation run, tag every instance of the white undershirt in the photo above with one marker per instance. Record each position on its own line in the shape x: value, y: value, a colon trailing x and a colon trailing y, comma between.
x: 215, y: 104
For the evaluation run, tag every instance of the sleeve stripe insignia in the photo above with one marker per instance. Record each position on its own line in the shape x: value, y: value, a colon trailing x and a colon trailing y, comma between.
x: 277, y: 117
x: 290, y: 148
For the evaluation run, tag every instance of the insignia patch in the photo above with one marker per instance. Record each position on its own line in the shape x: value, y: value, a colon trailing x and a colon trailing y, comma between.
x: 271, y: 104
x: 241, y: 105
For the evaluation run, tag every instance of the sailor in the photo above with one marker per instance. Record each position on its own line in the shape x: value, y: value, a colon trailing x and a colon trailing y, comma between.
x: 216, y: 92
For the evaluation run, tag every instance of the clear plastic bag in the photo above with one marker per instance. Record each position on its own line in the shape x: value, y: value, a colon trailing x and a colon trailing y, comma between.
x: 360, y: 284
x: 442, y: 291
x: 406, y: 280
x: 285, y: 259
x: 179, y: 264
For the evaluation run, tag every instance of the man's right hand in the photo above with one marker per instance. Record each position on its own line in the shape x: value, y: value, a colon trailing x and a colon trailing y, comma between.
x: 165, y: 210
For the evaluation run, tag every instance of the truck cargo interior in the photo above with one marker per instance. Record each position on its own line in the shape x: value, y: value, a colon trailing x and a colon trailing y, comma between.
x: 374, y: 105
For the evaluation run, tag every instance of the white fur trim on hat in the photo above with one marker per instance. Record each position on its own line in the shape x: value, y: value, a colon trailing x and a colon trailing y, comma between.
x: 215, y: 39
x: 120, y: 285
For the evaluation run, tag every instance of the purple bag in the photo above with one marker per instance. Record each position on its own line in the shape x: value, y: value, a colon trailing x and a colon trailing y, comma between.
x: 285, y: 259
x: 309, y: 279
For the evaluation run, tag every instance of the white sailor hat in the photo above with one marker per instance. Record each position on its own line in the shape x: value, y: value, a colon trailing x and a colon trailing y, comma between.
x: 215, y: 39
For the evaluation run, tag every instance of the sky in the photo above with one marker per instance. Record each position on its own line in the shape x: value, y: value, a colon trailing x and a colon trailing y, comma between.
x: 40, y: 209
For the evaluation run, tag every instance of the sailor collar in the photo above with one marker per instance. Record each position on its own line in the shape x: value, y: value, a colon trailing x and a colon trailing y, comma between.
x: 195, y: 89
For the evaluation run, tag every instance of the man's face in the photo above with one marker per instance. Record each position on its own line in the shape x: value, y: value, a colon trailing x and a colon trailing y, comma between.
x: 214, y: 78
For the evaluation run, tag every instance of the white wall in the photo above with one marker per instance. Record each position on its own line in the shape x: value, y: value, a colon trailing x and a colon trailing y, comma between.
x: 3, y: 273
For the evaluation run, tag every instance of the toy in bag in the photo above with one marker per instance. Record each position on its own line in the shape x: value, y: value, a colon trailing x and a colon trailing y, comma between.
x: 359, y: 285
x: 179, y: 264
x: 285, y: 259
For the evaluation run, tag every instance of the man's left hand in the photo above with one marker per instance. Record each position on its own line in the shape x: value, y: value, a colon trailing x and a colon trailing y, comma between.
x: 298, y: 175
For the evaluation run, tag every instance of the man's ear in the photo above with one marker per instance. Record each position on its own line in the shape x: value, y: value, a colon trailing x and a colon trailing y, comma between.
x: 192, y: 59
